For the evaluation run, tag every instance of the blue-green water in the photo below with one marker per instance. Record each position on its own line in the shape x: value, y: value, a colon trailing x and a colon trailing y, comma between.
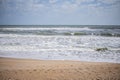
x: 62, y: 30
x: 61, y: 42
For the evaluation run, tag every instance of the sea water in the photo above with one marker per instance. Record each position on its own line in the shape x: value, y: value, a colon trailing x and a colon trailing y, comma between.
x: 61, y: 42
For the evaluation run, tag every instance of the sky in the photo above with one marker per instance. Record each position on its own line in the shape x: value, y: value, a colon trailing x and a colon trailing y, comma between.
x: 59, y: 12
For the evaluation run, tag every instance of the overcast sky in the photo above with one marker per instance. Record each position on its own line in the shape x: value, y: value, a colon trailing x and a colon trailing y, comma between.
x: 60, y: 12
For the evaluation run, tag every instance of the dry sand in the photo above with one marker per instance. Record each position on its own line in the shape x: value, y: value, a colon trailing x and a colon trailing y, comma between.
x: 24, y: 69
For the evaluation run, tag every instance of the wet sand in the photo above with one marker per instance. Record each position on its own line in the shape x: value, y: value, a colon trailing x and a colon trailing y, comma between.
x: 26, y: 69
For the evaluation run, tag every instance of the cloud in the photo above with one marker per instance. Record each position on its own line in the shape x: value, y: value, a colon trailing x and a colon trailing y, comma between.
x: 52, y: 1
x: 69, y: 6
x: 41, y: 6
x: 109, y: 1
x: 83, y: 11
x: 83, y: 1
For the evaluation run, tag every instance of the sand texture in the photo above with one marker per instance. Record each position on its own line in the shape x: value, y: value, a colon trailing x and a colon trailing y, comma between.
x: 25, y: 69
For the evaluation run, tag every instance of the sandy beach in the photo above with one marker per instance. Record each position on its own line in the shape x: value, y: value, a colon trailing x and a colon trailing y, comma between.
x: 26, y: 69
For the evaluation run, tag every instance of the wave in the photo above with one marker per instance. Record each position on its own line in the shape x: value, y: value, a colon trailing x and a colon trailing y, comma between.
x: 65, y: 31
x: 60, y: 47
x: 49, y: 33
x: 36, y: 48
x: 28, y: 29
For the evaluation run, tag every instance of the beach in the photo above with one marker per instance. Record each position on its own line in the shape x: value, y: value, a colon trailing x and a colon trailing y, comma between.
x: 59, y: 40
x: 28, y: 69
x: 59, y: 52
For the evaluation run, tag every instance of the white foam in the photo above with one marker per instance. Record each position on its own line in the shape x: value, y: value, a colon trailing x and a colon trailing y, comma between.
x: 65, y: 28
x: 60, y: 47
x: 33, y: 48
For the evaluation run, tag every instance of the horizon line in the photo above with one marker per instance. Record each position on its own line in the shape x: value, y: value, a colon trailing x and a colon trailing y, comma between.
x: 57, y: 25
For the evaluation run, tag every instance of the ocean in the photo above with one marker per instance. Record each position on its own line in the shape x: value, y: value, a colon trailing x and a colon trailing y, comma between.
x: 61, y: 42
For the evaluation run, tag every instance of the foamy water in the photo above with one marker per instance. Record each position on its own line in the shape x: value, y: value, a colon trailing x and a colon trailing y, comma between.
x: 50, y: 46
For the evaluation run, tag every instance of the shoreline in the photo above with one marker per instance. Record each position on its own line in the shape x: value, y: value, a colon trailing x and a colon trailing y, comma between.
x: 19, y: 58
x: 30, y: 69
